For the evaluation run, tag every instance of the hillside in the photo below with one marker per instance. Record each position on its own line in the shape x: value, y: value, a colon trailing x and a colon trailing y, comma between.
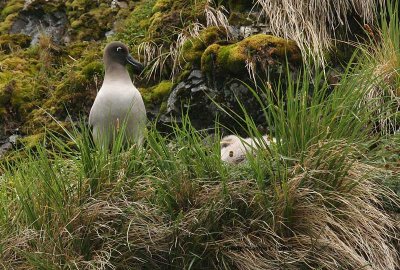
x: 320, y: 77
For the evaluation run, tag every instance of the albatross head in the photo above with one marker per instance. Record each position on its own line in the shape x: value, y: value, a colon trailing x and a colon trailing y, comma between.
x: 117, y: 53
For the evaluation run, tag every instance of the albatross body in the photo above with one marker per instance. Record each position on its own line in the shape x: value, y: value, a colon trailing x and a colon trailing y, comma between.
x: 118, y: 103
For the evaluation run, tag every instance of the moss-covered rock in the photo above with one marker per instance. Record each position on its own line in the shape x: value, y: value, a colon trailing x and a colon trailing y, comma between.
x: 262, y: 50
x: 89, y: 20
x: 193, y: 48
x: 157, y: 93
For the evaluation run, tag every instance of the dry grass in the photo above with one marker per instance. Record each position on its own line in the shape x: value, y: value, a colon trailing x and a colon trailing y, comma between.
x: 156, y: 56
x: 382, y: 58
x: 312, y: 24
x: 216, y: 15
x: 327, y: 214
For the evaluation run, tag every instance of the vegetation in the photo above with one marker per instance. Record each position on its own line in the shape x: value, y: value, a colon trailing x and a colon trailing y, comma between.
x: 315, y: 200
x: 257, y: 50
x: 311, y: 25
x: 324, y: 196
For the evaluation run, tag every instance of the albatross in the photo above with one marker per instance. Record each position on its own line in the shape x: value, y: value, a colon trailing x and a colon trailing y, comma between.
x: 118, y: 103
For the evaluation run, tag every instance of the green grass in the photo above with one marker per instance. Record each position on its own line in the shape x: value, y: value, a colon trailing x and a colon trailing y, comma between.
x: 314, y: 200
x: 323, y: 197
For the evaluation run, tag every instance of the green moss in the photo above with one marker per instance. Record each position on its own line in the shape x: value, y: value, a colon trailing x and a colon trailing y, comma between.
x: 93, y: 69
x: 17, y: 83
x: 6, y: 87
x: 185, y: 73
x: 76, y: 49
x: 6, y: 24
x: 47, y: 79
x: 12, y: 7
x: 75, y: 24
x: 163, y: 89
x: 208, y: 58
x: 73, y: 87
x: 157, y: 93
x: 193, y: 49
x: 262, y: 49
x: 11, y: 42
x: 45, y: 5
x: 79, y: 4
x: 90, y: 20
x: 163, y: 107
x: 134, y: 29
x: 32, y: 141
x: 239, y: 18
x: 17, y: 92
x: 162, y: 5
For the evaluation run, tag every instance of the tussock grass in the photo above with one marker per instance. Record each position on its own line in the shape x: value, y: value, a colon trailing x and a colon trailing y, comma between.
x: 325, y: 211
x: 316, y: 200
x: 312, y: 24
x: 383, y: 59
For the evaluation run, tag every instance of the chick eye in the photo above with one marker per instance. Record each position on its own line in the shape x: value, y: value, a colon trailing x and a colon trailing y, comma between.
x: 119, y: 48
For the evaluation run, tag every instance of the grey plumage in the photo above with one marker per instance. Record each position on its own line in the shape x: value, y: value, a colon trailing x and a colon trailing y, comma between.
x: 118, y: 103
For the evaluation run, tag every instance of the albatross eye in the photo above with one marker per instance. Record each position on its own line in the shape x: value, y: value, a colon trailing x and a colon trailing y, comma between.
x: 119, y: 48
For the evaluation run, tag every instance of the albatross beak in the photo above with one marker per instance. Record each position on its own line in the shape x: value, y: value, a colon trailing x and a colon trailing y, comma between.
x: 137, y: 67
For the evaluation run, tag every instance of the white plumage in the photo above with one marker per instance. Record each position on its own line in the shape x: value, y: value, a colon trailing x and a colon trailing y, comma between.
x: 234, y: 149
x: 118, y: 103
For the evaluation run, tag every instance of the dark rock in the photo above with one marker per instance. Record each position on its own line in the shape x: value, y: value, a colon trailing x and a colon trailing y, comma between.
x: 13, y: 139
x: 8, y: 144
x: 36, y: 22
x: 4, y: 148
x: 201, y: 87
x: 196, y: 74
x: 197, y: 81
x: 205, y: 103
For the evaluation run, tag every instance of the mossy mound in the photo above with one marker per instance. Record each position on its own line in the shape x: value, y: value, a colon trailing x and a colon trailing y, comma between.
x: 89, y: 19
x: 17, y: 86
x: 193, y: 48
x: 157, y: 93
x: 261, y: 50
x: 170, y: 16
x: 72, y: 90
x: 154, y: 28
x: 160, y: 21
x: 46, y: 81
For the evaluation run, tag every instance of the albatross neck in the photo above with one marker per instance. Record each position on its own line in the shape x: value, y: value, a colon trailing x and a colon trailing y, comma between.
x: 116, y: 71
